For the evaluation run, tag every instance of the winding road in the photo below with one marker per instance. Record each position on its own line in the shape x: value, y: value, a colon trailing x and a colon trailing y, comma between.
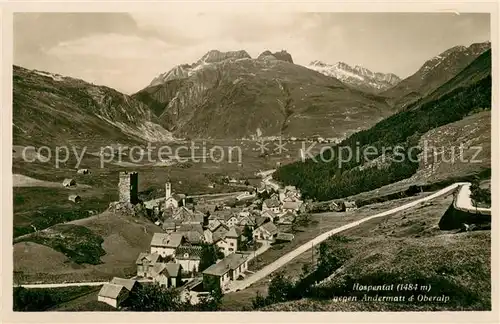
x: 267, y: 270
x: 462, y: 199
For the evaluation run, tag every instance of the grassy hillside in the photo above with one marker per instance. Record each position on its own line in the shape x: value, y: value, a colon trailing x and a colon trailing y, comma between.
x: 108, y: 244
x: 392, y: 139
x: 433, y: 74
x: 404, y: 248
x: 51, y: 109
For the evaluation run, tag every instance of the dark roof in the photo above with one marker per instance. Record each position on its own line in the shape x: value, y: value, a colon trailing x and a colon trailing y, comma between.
x: 230, y: 262
x: 206, y: 208
x: 215, y: 225
x: 188, y: 216
x: 193, y: 237
x: 193, y: 252
x: 223, y: 215
x: 270, y: 203
x: 169, y: 225
x: 234, y: 232
x: 170, y: 269
x: 270, y: 227
x: 260, y: 220
x: 269, y: 213
x: 187, y: 227
x: 219, y: 233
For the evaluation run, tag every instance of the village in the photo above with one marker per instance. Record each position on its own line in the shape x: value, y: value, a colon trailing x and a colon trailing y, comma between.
x: 235, y: 234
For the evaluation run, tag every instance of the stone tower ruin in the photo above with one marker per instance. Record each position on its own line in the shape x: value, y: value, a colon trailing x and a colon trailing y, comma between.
x: 128, y: 187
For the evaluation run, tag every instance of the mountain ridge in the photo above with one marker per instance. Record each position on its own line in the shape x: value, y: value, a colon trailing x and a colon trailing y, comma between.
x: 51, y: 108
x: 434, y: 73
x: 240, y: 97
x: 357, y: 76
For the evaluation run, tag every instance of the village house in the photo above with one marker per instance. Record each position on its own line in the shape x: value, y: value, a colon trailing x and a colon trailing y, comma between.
x: 170, y: 226
x: 225, y: 216
x: 291, y: 206
x: 165, y: 244
x: 247, y: 221
x: 188, y: 256
x: 83, y: 171
x: 266, y: 232
x: 167, y: 274
x: 116, y: 291
x: 271, y: 204
x: 215, y: 232
x: 228, y: 269
x: 69, y: 182
x: 231, y: 241
x: 286, y: 218
x: 145, y: 263
x: 187, y: 216
x: 269, y: 214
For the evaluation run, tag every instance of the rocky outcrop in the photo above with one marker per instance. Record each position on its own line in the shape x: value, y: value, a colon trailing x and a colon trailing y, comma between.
x: 282, y: 56
x: 358, y: 77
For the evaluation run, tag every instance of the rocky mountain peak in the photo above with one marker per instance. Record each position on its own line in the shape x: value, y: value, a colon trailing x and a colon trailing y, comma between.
x: 215, y: 56
x: 358, y: 76
x: 281, y: 55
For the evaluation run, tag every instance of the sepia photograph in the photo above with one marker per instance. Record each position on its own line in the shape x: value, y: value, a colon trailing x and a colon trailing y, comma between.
x: 218, y: 161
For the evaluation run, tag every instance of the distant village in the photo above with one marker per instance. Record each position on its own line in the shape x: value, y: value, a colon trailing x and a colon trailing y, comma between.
x: 238, y: 234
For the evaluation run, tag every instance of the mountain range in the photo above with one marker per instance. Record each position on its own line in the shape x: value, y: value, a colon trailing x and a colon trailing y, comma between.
x: 358, y: 77
x: 464, y: 94
x: 231, y: 95
x: 434, y: 73
x: 50, y: 109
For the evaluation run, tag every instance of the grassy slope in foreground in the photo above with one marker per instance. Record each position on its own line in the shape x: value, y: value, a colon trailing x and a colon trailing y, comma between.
x: 323, y: 179
x: 408, y: 247
x: 124, y: 238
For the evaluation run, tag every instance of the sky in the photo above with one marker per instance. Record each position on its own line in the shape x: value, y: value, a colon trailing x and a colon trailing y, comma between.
x: 125, y: 51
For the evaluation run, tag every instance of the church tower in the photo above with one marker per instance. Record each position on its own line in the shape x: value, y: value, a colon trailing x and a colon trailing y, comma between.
x: 168, y: 190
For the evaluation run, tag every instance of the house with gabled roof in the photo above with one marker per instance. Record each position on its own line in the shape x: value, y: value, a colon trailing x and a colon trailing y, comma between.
x: 269, y: 214
x: 165, y: 244
x: 271, y: 204
x: 267, y: 232
x: 228, y: 269
x: 145, y: 263
x: 287, y: 218
x: 293, y: 206
x: 167, y: 274
x: 116, y: 291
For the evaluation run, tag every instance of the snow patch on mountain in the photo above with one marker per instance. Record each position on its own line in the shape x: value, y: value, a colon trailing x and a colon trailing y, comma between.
x: 358, y: 76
